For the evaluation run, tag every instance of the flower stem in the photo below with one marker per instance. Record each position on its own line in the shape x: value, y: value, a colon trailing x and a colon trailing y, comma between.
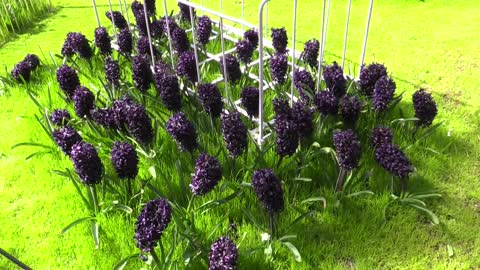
x: 93, y: 196
x: 340, y: 180
x: 155, y: 258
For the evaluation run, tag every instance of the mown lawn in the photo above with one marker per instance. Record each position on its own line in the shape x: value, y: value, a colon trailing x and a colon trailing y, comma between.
x: 428, y: 44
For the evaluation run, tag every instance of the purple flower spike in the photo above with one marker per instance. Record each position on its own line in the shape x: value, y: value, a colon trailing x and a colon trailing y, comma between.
x: 279, y: 39
x: 302, y: 115
x: 204, y: 30
x: 223, y: 255
x: 139, y: 124
x: 268, y: 189
x: 32, y: 60
x: 233, y: 68
x: 77, y: 42
x: 245, y: 50
x: 87, y: 163
x: 310, y: 52
x: 350, y: 107
x: 125, y: 41
x: 125, y: 160
x: 208, y: 172
x: 250, y: 100
x: 104, y: 117
x: 152, y: 221
x: 65, y: 138
x: 278, y: 67
x: 180, y: 40
x: 187, y: 67
x: 182, y: 131
x: 383, y: 93
x: 252, y: 36
x: 60, y: 117
x: 142, y: 74
x: 425, y: 107
x: 120, y: 108
x: 234, y: 133
x: 102, y: 41
x: 185, y: 12
x: 83, y: 101
x: 139, y: 14
x: 68, y: 80
x: 211, y: 99
x: 143, y: 46
x: 380, y: 136
x: 285, y: 128
x: 392, y: 159
x: 326, y: 103
x: 335, y: 81
x: 304, y: 83
x: 369, y: 76
x: 22, y: 71
x: 169, y: 90
x: 348, y: 149
x: 120, y: 21
x: 112, y: 71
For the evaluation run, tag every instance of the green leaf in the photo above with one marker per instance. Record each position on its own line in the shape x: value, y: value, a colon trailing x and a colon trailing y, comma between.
x: 359, y: 193
x: 123, y: 208
x: 304, y: 179
x: 121, y: 264
x: 434, y: 217
x: 30, y: 144
x: 76, y: 222
x: 316, y: 199
x: 96, y: 238
x: 152, y: 172
x: 450, y: 251
x: 287, y: 237
x: 294, y: 250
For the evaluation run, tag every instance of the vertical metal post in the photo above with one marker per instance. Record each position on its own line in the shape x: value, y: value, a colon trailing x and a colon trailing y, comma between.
x: 326, y: 29
x: 168, y: 33
x: 346, y: 34
x: 321, y: 47
x: 243, y: 15
x: 147, y: 21
x: 266, y: 21
x: 364, y: 48
x: 113, y: 20
x: 260, y: 75
x: 225, y: 75
x: 293, y: 48
x: 126, y: 12
x: 96, y: 12
x: 195, y: 45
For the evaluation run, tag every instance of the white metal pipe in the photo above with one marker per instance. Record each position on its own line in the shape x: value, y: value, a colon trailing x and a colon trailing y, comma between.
x: 168, y: 32
x: 293, y: 48
x: 195, y: 45
x: 147, y: 21
x: 260, y: 74
x: 113, y: 20
x: 243, y: 14
x: 326, y: 29
x: 346, y: 34
x: 126, y: 12
x: 225, y: 75
x: 96, y: 12
x: 364, y: 48
x: 321, y: 47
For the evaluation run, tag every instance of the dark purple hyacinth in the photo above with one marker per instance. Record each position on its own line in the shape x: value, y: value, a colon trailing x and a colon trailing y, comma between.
x: 182, y: 131
x: 102, y: 41
x: 185, y: 12
x: 151, y: 9
x: 349, y: 108
x: 369, y: 76
x: 83, y: 101
x: 32, y: 60
x: 139, y: 14
x: 172, y: 25
x: 326, y: 103
x: 139, y: 124
x: 208, y: 172
x: 302, y: 115
x: 60, y: 117
x: 381, y: 135
x: 383, y: 93
x: 124, y: 160
x: 204, y: 30
x: 180, y: 40
x: 187, y: 67
x: 279, y: 39
x: 336, y: 82
x: 67, y: 79
x: 65, y: 138
x: 268, y: 189
x: 104, y: 117
x: 252, y: 36
x: 304, y: 83
x: 279, y: 67
x: 223, y: 255
x: 347, y: 147
x: 143, y: 45
x: 233, y: 68
x: 120, y: 108
x: 244, y: 50
x: 112, y: 71
x: 310, y: 52
x: 250, y: 99
x: 118, y: 19
x: 142, y: 74
x: 21, y: 71
x: 285, y: 128
x: 392, y: 159
x: 87, y: 163
x: 125, y: 41
x: 425, y: 107
x: 152, y: 221
x: 211, y: 99
x: 234, y: 133
x: 156, y: 29
x: 169, y: 90
x: 76, y: 42
x: 67, y: 49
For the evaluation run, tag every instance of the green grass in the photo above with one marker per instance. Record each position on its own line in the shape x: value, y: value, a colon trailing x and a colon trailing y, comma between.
x: 426, y: 44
